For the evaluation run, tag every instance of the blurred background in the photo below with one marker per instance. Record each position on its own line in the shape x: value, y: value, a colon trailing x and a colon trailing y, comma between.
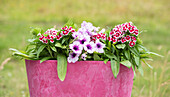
x: 151, y: 16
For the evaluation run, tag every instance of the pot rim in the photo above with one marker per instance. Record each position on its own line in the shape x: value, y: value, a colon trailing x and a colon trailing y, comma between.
x: 56, y: 61
x: 71, y: 63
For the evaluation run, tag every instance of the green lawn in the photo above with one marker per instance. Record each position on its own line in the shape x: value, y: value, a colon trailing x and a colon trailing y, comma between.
x: 151, y: 16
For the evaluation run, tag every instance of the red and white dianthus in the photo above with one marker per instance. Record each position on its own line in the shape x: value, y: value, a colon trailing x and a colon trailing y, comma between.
x: 124, y: 33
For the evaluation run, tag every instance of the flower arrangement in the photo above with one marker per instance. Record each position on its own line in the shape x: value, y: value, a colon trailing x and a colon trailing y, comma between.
x: 120, y: 45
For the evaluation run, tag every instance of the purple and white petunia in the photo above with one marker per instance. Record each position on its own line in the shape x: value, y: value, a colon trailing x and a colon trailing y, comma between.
x: 99, y: 47
x: 89, y: 47
x: 87, y: 25
x: 88, y: 28
x: 76, y: 35
x: 73, y: 57
x: 83, y: 56
x: 84, y: 40
x: 96, y: 29
x: 76, y: 47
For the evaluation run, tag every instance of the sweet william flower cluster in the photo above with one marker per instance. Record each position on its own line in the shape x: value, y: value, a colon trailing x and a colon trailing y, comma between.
x: 124, y: 33
x: 51, y: 34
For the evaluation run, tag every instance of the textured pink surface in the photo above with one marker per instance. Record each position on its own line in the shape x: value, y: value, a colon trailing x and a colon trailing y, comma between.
x: 83, y: 79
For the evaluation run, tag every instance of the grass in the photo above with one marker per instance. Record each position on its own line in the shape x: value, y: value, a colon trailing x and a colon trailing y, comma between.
x: 151, y: 16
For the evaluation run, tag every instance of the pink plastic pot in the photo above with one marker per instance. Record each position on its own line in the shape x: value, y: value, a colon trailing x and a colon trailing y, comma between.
x: 83, y: 79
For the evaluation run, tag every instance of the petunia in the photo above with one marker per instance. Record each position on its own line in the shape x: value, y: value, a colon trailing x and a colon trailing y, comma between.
x: 73, y: 57
x: 76, y: 35
x: 89, y: 47
x: 83, y: 24
x: 96, y: 29
x: 76, y: 47
x: 89, y: 26
x: 85, y: 39
x: 83, y: 56
x: 90, y: 33
x: 99, y: 46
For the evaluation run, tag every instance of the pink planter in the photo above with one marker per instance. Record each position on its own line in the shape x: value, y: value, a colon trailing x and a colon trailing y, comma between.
x: 83, y: 79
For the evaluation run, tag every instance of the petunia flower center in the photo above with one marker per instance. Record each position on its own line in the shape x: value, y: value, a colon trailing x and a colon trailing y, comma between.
x: 76, y: 48
x: 74, y: 55
x: 82, y: 41
x: 98, y: 45
x: 89, y: 47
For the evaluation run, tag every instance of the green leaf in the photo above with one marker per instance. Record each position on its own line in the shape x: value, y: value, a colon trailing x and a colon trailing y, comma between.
x: 149, y: 59
x: 75, y: 26
x: 108, y: 48
x: 137, y: 60
x: 96, y: 57
x: 144, y: 55
x: 127, y: 54
x: 89, y: 57
x: 106, y: 60
x: 61, y: 66
x: 59, y: 45
x: 133, y: 67
x: 109, y: 54
x: 115, y: 67
x: 69, y: 22
x: 152, y: 53
x: 109, y: 44
x: 126, y: 63
x: 120, y: 46
x: 147, y: 64
x: 45, y: 35
x: 134, y: 51
x: 139, y: 41
x: 40, y: 49
x: 44, y: 59
x: 20, y: 53
x: 142, y: 47
x: 63, y: 41
x: 140, y: 69
x: 35, y: 31
x: 53, y: 48
x: 31, y: 40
